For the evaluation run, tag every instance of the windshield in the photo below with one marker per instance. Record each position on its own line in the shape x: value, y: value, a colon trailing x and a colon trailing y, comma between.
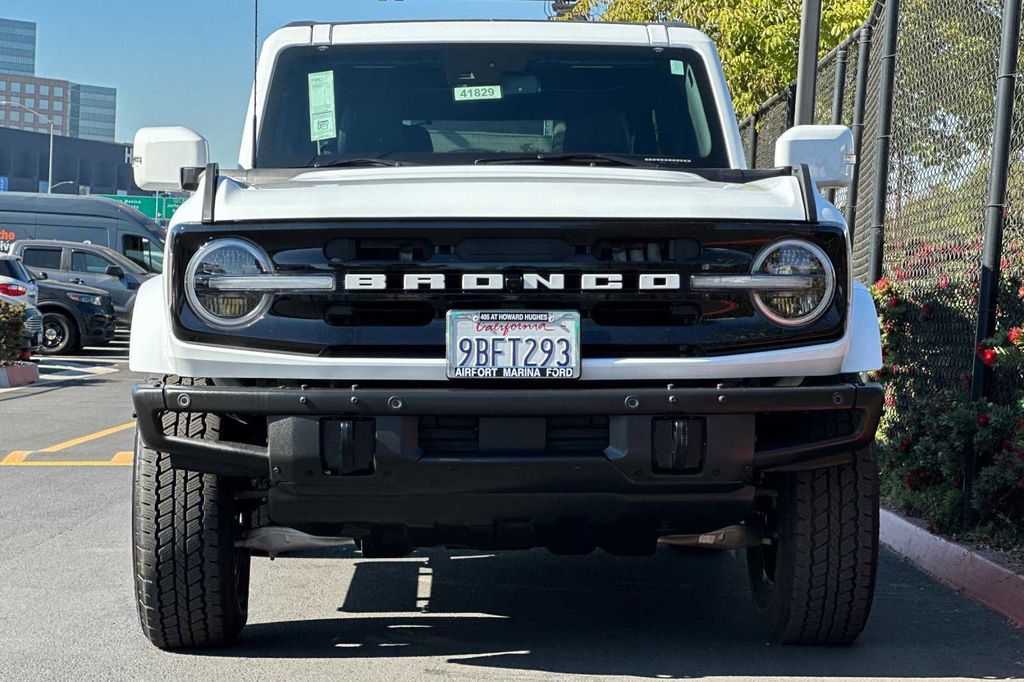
x: 456, y: 103
x: 12, y: 267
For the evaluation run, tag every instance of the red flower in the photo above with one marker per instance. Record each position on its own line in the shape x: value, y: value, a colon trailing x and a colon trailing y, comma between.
x: 944, y: 282
x: 894, y: 301
x: 1020, y: 292
x: 982, y: 421
x: 882, y: 285
x: 988, y: 356
x: 890, y: 401
x: 1014, y: 335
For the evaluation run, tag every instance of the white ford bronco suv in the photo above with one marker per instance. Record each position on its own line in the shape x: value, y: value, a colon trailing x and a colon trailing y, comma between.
x: 502, y: 285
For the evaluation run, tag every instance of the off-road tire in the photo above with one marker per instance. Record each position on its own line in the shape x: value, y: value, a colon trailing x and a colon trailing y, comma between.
x: 815, y: 583
x: 191, y: 583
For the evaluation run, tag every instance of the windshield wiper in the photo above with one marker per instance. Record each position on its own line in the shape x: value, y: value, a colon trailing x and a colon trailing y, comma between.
x: 555, y: 159
x: 361, y: 161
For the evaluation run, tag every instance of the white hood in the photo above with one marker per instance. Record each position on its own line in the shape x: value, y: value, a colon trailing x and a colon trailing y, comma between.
x: 502, y: 192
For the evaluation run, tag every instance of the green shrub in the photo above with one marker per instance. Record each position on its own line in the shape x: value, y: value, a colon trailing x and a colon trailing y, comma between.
x: 12, y: 321
x: 930, y: 424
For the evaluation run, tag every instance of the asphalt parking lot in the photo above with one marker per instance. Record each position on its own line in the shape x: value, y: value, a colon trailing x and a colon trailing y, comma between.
x: 68, y: 613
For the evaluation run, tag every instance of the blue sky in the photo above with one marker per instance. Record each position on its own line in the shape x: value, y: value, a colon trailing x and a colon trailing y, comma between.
x: 189, y: 62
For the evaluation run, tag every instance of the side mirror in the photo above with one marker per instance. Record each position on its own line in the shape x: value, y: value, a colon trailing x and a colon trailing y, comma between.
x: 827, y: 151
x: 38, y: 274
x: 159, y: 154
x: 115, y: 271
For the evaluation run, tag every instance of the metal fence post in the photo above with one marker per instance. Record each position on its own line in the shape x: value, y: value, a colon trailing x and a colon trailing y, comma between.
x: 837, y: 100
x: 753, y: 140
x: 859, y: 96
x: 790, y: 106
x: 988, y: 291
x: 807, y: 61
x: 882, y: 142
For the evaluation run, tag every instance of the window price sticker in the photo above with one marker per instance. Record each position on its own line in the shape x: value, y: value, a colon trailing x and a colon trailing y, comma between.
x: 321, y: 106
x: 468, y: 93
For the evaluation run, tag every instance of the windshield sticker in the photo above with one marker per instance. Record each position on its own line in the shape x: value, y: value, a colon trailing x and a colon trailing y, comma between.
x: 469, y: 93
x: 321, y: 106
x: 677, y: 67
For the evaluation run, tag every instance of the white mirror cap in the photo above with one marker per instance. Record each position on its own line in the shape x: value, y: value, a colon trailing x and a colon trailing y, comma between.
x: 159, y: 154
x: 827, y: 151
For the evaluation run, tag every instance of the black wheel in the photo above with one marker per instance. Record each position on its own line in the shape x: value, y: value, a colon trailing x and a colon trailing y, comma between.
x: 191, y: 582
x: 814, y: 584
x: 60, y: 334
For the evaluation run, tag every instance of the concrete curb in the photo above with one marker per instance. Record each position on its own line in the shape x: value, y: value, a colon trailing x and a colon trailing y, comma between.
x: 18, y: 375
x: 964, y: 570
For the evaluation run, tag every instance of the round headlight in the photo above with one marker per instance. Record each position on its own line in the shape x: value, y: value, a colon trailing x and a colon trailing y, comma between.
x: 213, y: 263
x: 795, y: 307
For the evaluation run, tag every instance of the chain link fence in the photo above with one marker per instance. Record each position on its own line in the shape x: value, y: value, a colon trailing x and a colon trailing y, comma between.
x: 935, y: 190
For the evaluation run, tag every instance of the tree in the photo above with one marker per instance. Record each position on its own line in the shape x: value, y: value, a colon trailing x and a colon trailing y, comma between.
x: 757, y: 39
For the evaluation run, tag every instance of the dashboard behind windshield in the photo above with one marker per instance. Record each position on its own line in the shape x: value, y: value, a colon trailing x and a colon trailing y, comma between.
x: 454, y: 103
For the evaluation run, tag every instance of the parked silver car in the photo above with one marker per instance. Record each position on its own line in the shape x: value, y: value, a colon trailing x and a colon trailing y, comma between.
x: 15, y: 281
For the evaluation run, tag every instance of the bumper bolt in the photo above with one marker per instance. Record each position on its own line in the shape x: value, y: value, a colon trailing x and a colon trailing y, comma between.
x: 395, y: 403
x: 632, y: 402
x: 837, y: 399
x: 303, y: 400
x: 672, y: 399
x: 276, y: 470
x: 721, y: 398
x: 184, y: 401
x: 354, y: 400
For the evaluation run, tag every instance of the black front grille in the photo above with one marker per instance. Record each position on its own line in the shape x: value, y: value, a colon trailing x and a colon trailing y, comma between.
x: 562, y: 436
x: 625, y: 322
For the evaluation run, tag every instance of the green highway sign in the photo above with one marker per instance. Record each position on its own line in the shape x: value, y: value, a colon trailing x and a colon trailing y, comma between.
x: 158, y: 208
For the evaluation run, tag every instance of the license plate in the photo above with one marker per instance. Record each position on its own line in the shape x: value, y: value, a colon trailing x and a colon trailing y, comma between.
x: 511, y: 344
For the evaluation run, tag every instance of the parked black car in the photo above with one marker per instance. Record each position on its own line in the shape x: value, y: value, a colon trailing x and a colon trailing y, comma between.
x: 73, y: 315
x: 90, y: 265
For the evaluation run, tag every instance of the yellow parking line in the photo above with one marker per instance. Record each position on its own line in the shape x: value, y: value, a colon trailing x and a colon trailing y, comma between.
x: 85, y: 439
x: 70, y: 463
x: 124, y: 457
x: 16, y: 457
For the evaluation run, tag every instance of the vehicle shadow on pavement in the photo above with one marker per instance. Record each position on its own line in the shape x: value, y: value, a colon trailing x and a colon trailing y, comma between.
x: 674, y: 615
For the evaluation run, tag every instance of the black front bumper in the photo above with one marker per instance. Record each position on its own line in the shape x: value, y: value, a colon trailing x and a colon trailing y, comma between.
x: 98, y: 329
x: 412, y: 482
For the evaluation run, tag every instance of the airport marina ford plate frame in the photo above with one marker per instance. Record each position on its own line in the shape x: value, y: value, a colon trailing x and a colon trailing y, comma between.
x: 513, y: 344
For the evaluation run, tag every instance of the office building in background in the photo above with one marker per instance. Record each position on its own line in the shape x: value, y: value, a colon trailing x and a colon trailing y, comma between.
x: 93, y: 112
x: 17, y: 47
x: 87, y: 112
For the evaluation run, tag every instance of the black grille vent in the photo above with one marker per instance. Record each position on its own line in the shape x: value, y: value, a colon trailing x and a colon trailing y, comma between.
x: 565, y: 436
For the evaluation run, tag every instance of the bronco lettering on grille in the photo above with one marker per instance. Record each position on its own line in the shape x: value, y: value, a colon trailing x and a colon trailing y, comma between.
x: 366, y: 281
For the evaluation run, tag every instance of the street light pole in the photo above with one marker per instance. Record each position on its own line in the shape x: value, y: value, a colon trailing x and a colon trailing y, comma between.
x: 49, y: 169
x: 49, y: 121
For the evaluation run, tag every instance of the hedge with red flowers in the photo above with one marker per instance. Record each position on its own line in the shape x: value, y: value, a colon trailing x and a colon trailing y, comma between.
x: 12, y: 319
x: 930, y: 424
